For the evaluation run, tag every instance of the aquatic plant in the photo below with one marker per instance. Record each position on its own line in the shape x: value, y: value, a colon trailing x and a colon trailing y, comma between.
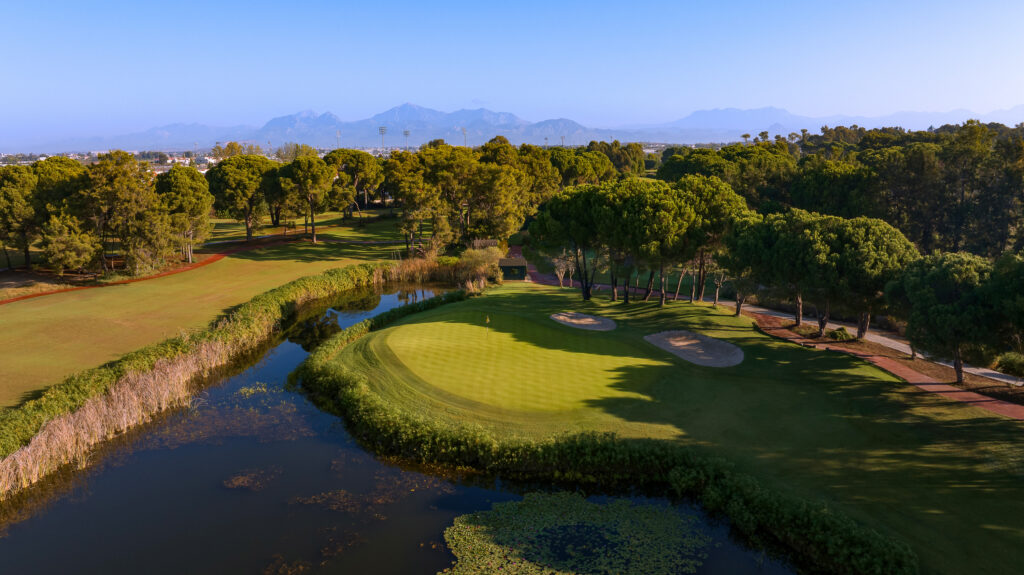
x: 555, y: 533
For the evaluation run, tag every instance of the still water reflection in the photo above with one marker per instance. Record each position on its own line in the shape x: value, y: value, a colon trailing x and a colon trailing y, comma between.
x: 255, y: 479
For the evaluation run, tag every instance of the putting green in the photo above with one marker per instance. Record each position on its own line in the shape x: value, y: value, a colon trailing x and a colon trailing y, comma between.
x: 505, y: 350
x: 945, y: 476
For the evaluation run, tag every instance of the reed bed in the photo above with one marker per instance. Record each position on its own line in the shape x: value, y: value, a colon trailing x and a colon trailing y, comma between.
x: 63, y: 425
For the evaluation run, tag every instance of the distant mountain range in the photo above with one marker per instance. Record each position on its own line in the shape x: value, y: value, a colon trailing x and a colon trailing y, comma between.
x: 327, y: 130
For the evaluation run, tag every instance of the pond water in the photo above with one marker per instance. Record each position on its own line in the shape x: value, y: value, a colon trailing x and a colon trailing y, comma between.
x: 253, y: 478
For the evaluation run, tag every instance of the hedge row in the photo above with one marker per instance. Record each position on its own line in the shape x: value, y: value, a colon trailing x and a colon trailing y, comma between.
x: 814, y: 536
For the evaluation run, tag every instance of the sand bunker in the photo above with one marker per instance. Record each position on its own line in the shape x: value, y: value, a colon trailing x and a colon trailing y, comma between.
x: 584, y: 321
x: 697, y: 348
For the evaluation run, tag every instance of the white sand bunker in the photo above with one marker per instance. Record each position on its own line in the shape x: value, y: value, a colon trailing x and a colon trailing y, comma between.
x: 584, y: 321
x: 697, y: 348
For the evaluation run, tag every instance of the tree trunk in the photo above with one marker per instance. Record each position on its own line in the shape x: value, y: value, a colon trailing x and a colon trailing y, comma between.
x: 823, y: 319
x: 913, y: 352
x: 7, y: 255
x: 863, y: 324
x: 312, y: 220
x: 693, y: 285
x: 614, y: 284
x: 28, y: 254
x: 740, y: 298
x: 679, y: 285
x: 703, y: 279
x: 583, y: 273
x: 718, y: 287
x: 958, y: 364
x: 248, y: 224
x: 625, y: 287
x: 661, y: 297
x: 798, y: 316
x: 650, y: 286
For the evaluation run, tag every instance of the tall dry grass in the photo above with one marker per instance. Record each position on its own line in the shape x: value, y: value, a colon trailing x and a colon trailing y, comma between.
x: 133, y: 400
x: 69, y: 419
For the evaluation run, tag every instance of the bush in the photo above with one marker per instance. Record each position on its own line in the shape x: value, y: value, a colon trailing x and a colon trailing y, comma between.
x: 477, y: 263
x: 815, y: 536
x: 1011, y: 363
x: 840, y: 334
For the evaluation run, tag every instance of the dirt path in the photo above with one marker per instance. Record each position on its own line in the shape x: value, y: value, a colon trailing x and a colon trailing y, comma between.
x: 772, y: 324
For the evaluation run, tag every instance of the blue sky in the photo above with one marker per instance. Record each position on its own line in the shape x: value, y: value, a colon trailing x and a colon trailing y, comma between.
x: 102, y: 68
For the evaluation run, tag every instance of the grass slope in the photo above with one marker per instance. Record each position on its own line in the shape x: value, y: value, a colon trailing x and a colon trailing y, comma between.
x: 945, y: 476
x: 45, y: 339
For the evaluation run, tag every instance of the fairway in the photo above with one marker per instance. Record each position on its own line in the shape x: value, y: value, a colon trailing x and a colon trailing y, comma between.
x: 945, y: 476
x: 45, y: 339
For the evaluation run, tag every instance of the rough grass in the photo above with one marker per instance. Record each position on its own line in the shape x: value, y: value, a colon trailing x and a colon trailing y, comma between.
x: 44, y: 340
x: 943, y: 475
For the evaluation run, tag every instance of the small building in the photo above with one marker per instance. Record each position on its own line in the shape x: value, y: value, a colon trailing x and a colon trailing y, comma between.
x: 512, y: 268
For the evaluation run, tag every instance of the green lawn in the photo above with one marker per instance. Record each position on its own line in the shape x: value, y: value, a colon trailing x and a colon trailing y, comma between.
x: 367, y: 225
x: 945, y: 476
x: 45, y: 339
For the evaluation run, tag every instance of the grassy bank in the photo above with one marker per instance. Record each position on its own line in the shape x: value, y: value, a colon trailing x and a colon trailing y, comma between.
x: 823, y: 426
x: 46, y: 339
x: 62, y: 425
x: 814, y: 535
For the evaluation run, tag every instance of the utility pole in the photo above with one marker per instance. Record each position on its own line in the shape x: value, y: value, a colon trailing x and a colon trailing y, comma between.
x: 383, y: 130
x: 406, y: 134
x: 465, y: 141
x: 338, y: 133
x: 563, y: 141
x: 545, y: 142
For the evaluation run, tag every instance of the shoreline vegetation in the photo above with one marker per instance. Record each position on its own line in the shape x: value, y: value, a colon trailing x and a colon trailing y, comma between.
x: 62, y: 426
x: 811, y: 534
x: 70, y: 418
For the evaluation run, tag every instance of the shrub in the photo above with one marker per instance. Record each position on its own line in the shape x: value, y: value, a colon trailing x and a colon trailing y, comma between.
x: 1011, y: 363
x: 840, y: 334
x: 476, y: 263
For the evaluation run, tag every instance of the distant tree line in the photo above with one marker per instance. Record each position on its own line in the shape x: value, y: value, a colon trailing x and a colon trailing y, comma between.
x: 86, y: 217
x: 955, y: 188
x: 116, y: 213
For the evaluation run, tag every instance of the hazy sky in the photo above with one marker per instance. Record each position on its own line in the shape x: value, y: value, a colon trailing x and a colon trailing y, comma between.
x: 102, y: 68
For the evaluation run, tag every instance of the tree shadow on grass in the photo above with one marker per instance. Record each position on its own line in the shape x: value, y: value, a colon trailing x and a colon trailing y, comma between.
x: 822, y: 425
x: 930, y: 469
x: 304, y: 251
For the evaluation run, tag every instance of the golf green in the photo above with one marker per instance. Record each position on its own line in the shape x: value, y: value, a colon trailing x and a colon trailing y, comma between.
x: 943, y: 475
